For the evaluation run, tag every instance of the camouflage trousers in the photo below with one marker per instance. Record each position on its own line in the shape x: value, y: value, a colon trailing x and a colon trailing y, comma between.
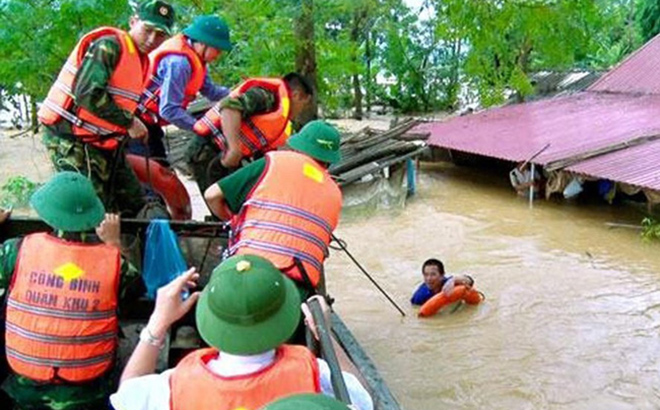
x: 29, y: 395
x: 113, y: 179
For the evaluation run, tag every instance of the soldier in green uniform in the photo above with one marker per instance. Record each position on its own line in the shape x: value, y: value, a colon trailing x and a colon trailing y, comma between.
x: 94, y: 90
x: 204, y: 157
x: 69, y: 205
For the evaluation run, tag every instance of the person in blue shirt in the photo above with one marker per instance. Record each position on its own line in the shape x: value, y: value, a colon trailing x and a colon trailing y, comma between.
x: 178, y: 71
x: 435, y: 280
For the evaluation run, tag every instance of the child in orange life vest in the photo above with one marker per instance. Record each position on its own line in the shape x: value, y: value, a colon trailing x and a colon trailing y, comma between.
x: 246, y: 313
x: 64, y: 288
x: 435, y: 281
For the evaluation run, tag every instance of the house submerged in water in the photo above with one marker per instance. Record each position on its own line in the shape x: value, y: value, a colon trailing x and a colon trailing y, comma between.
x: 609, y: 133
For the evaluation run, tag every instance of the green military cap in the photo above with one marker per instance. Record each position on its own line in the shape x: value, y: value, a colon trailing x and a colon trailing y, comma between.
x: 319, y: 140
x: 158, y: 14
x: 210, y: 30
x: 248, y: 306
x: 68, y: 202
x: 306, y: 402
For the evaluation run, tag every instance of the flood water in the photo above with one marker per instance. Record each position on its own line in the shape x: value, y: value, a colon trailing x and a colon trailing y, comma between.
x: 572, y: 315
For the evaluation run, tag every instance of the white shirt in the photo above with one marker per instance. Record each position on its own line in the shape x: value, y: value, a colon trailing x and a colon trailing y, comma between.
x: 152, y: 392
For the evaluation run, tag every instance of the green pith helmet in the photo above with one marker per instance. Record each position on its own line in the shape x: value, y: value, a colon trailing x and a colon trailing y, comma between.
x: 68, y: 202
x: 158, y: 14
x: 210, y: 30
x: 306, y: 402
x: 248, y: 306
x: 319, y: 140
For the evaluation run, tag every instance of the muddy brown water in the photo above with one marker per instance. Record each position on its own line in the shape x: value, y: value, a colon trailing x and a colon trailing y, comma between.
x: 572, y: 315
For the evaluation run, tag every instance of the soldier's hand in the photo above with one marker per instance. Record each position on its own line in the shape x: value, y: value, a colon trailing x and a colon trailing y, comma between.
x: 137, y: 129
x: 4, y: 214
x: 170, y: 305
x: 109, y: 231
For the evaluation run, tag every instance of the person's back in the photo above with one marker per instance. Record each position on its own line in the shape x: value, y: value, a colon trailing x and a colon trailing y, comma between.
x: 61, y: 300
x: 285, y: 207
x: 256, y: 118
x: 290, y: 215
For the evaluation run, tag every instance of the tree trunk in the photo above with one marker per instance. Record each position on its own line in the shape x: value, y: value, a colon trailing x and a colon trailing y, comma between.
x: 360, y: 16
x: 34, y: 120
x: 454, y: 87
x: 25, y: 110
x: 357, y: 88
x: 306, y: 55
x: 523, y: 60
x: 367, y: 57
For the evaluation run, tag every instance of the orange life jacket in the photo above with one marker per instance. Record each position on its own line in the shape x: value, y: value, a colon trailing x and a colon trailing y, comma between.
x: 260, y: 133
x: 469, y: 295
x: 150, y: 100
x: 125, y: 86
x: 61, y: 310
x: 290, y: 213
x: 194, y: 387
x: 165, y: 182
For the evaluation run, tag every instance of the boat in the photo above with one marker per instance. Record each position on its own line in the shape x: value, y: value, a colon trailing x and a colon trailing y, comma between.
x: 198, y: 239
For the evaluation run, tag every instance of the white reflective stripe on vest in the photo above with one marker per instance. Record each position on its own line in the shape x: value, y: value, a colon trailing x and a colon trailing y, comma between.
x: 291, y: 210
x: 70, y: 68
x: 73, y: 119
x: 278, y: 249
x: 214, y: 130
x: 64, y: 363
x: 64, y: 340
x: 253, y: 148
x: 61, y: 313
x: 123, y: 93
x: 260, y: 135
x: 286, y: 229
x: 64, y: 88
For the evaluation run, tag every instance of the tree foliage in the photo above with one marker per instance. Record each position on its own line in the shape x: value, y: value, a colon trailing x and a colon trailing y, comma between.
x: 363, y: 52
x: 36, y: 36
x: 648, y: 18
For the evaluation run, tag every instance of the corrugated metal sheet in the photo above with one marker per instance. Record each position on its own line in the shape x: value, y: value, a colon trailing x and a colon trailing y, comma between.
x: 572, y: 125
x: 638, y: 165
x: 639, y: 73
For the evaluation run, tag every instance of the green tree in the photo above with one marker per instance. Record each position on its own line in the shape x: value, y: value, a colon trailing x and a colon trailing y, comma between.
x: 648, y: 18
x: 36, y: 37
x: 506, y: 40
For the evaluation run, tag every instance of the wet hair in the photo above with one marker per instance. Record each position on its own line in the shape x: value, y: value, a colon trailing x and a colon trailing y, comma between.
x: 296, y: 81
x: 436, y: 263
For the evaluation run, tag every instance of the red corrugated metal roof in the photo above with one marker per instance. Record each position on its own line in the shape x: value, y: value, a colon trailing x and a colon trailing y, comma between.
x: 572, y: 125
x: 639, y: 165
x: 639, y: 73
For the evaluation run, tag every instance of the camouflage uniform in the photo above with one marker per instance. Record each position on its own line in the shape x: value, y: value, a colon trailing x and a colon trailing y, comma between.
x: 28, y: 394
x: 202, y: 154
x: 114, y: 180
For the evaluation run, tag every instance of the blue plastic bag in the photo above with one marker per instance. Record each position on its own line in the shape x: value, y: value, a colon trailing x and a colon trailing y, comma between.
x: 163, y: 260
